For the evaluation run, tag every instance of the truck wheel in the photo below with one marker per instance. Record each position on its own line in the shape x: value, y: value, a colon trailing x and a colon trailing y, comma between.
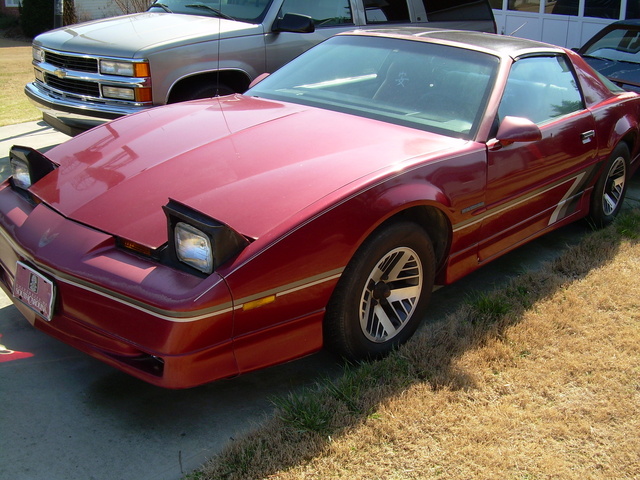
x: 383, y: 293
x: 204, y: 91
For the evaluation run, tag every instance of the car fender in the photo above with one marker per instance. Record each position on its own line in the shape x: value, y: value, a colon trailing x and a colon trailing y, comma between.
x: 281, y: 289
x: 308, y: 251
x: 624, y: 128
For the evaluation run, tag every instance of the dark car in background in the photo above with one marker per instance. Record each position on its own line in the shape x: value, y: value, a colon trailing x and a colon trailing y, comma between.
x: 615, y: 52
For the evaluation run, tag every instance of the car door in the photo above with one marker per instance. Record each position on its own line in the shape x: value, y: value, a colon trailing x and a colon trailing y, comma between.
x: 329, y: 16
x: 533, y: 185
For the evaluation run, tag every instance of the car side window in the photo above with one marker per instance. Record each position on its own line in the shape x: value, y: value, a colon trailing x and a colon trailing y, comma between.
x: 325, y: 13
x: 541, y: 89
x: 389, y: 11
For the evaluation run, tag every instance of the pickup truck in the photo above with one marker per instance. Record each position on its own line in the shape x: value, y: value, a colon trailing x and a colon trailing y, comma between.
x: 180, y: 50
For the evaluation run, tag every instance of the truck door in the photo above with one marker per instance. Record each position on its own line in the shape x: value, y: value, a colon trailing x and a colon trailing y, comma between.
x: 329, y: 16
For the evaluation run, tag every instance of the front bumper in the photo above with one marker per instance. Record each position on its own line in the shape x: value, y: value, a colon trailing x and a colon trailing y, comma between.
x: 74, y: 112
x: 163, y: 326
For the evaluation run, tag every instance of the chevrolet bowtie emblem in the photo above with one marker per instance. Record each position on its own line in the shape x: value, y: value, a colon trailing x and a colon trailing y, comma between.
x: 60, y: 73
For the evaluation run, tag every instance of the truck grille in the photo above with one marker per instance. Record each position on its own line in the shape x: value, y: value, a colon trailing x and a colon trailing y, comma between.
x: 79, y: 87
x: 68, y: 62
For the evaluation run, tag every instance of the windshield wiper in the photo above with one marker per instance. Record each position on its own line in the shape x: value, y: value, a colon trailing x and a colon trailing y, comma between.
x: 162, y: 6
x: 211, y: 9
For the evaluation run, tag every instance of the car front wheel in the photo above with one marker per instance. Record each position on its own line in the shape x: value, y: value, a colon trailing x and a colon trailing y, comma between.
x: 611, y: 187
x: 383, y: 293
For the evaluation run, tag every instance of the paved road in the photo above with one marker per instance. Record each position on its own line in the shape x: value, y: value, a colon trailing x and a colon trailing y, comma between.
x: 64, y: 415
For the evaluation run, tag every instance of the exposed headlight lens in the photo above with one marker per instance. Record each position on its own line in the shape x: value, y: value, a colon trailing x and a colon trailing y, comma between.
x: 28, y: 166
x: 20, y: 172
x: 124, y: 69
x: 38, y: 54
x: 193, y: 247
x: 198, y: 241
x: 119, y: 93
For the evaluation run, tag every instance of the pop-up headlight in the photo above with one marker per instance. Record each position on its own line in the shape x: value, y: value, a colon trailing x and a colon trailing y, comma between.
x: 193, y: 247
x: 28, y: 166
x: 20, y: 173
x: 199, y: 241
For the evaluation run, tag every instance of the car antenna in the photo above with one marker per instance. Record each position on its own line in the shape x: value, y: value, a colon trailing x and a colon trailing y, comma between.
x: 217, y: 92
x: 517, y: 29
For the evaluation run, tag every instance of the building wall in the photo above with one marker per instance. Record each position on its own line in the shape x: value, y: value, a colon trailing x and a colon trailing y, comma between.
x: 9, y: 7
x: 568, y: 23
x: 94, y: 9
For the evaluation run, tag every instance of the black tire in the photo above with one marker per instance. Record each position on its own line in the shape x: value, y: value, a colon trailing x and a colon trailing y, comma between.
x: 361, y: 321
x: 611, y: 188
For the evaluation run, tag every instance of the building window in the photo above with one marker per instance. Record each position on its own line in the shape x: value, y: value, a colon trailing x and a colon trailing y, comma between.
x: 532, y: 6
x: 563, y: 7
x: 11, y: 3
x: 602, y: 8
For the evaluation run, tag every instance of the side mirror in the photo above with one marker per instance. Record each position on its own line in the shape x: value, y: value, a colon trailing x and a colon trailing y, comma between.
x: 258, y: 79
x: 293, y: 22
x: 515, y: 129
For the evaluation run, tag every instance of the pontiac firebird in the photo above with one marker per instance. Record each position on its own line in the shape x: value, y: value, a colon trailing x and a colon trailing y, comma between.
x: 202, y: 240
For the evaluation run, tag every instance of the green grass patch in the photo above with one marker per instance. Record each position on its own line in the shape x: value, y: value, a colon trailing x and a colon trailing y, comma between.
x: 15, y: 72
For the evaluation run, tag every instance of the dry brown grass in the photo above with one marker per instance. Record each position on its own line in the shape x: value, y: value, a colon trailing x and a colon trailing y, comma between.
x: 15, y: 73
x: 540, y: 380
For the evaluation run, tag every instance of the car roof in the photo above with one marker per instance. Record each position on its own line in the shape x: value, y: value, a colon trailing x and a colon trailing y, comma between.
x: 499, y: 45
x: 631, y: 22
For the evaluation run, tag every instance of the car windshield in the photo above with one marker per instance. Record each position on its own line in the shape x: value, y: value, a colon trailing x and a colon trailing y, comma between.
x: 429, y: 86
x: 619, y: 45
x: 242, y: 10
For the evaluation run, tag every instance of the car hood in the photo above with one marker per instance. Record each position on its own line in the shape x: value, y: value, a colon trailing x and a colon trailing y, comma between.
x: 249, y: 163
x: 625, y: 74
x: 137, y: 35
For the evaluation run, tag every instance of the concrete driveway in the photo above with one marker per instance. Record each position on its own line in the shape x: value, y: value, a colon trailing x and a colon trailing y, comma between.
x: 64, y: 415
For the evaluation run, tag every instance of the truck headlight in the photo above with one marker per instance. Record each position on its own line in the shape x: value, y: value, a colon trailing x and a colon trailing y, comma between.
x: 37, y: 54
x: 118, y: 93
x: 139, y: 94
x: 124, y: 69
x: 199, y: 241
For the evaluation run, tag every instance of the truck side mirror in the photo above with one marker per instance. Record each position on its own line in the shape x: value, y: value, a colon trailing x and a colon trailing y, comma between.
x: 294, y: 22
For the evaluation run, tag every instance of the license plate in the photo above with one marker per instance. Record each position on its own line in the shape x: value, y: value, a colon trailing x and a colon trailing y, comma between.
x: 34, y: 290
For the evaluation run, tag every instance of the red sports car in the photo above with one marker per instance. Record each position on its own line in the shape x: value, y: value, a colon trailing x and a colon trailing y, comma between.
x: 210, y: 238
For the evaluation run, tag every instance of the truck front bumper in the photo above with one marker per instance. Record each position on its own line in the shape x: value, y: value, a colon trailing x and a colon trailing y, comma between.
x: 71, y: 114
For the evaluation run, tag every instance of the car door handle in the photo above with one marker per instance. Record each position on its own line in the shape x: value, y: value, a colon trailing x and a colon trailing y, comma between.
x: 587, y: 136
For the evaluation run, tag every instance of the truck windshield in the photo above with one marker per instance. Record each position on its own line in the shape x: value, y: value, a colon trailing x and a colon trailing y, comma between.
x: 240, y: 10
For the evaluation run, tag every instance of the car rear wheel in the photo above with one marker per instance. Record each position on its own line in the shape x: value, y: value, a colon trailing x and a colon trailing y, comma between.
x: 611, y: 187
x: 383, y: 293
